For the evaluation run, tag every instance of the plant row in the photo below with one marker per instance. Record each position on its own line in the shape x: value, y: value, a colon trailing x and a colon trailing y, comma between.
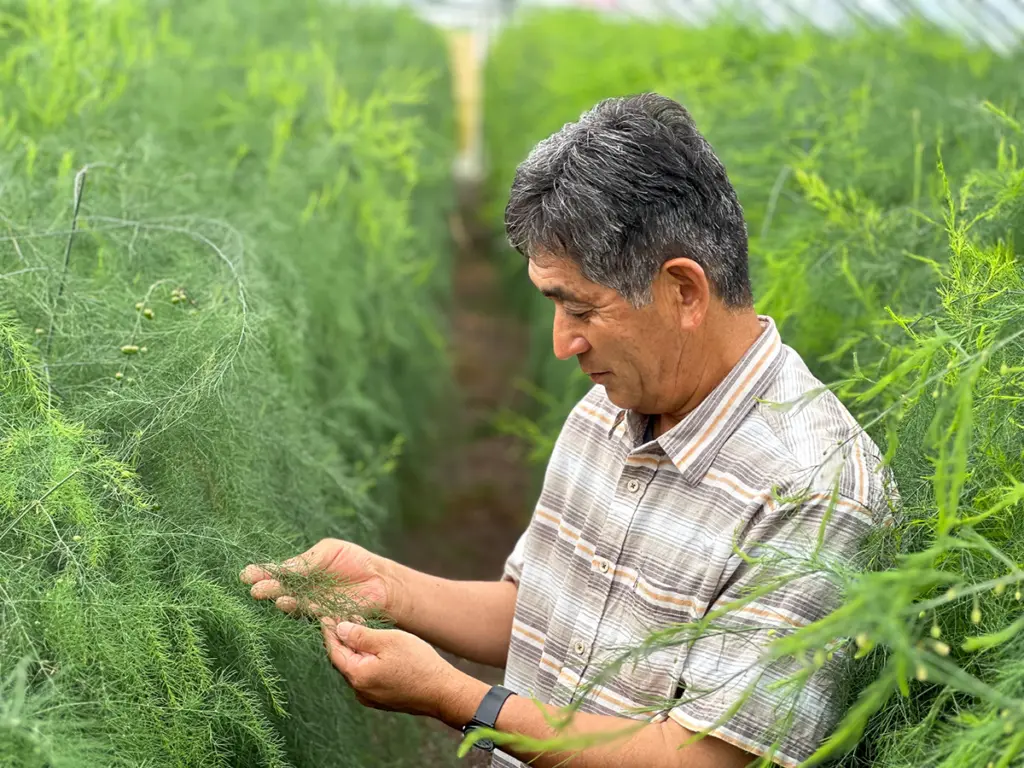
x: 224, y: 265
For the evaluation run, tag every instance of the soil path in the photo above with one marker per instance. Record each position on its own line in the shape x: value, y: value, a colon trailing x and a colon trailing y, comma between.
x: 484, y: 479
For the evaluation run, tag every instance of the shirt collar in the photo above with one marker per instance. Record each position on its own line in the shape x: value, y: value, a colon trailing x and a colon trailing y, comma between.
x: 693, y: 443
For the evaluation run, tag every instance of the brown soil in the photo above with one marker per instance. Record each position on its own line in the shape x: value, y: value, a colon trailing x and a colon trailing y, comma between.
x: 484, y: 479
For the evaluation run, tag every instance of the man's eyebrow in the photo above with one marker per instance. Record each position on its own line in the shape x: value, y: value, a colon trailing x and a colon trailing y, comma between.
x: 563, y: 295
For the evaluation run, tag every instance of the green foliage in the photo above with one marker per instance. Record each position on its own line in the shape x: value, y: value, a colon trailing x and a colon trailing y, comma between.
x: 952, y: 396
x: 223, y: 230
x: 881, y: 180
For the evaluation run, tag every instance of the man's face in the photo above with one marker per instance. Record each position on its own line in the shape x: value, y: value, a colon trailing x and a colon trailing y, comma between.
x: 638, y: 355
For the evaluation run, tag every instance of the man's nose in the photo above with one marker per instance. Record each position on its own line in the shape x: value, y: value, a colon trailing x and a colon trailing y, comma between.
x: 567, y: 340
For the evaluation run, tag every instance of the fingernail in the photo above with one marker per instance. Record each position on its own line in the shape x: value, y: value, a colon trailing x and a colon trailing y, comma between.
x: 343, y: 629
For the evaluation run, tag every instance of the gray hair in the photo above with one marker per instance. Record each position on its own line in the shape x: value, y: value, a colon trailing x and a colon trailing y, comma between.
x: 624, y: 189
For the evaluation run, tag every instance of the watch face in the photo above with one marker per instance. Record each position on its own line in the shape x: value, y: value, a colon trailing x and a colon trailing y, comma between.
x: 484, y: 744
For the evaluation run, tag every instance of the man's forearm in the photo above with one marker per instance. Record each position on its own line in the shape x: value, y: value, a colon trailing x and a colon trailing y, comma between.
x: 640, y: 745
x: 472, y: 619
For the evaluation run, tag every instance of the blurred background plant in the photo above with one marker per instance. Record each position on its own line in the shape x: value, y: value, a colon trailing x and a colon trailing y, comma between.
x: 225, y: 261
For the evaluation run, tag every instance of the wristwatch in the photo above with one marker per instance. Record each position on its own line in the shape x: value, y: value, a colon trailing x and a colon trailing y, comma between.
x: 487, y: 715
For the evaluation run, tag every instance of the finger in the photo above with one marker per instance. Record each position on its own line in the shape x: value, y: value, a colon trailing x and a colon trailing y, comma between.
x: 339, y: 655
x: 254, y: 573
x: 267, y: 589
x: 297, y: 607
x: 361, y: 638
x: 287, y: 604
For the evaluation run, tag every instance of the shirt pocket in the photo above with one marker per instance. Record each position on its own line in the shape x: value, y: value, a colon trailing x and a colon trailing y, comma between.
x: 649, y: 675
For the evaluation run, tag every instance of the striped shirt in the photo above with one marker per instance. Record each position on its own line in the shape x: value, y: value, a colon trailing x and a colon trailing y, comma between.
x: 631, y: 536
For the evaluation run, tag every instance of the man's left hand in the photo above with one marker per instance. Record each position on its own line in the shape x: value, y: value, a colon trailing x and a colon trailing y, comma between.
x: 390, y: 669
x: 397, y: 671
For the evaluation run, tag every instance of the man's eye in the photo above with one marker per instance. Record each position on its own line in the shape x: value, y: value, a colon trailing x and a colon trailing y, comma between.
x: 579, y: 315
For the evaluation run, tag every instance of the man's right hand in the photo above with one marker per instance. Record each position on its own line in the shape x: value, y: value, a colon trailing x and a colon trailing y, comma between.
x: 365, y: 577
x: 472, y: 619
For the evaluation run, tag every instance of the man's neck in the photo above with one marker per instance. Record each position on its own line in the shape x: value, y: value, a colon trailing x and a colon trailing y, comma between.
x: 728, y: 337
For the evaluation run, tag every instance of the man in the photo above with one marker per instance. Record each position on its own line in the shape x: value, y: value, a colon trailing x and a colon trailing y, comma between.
x: 669, y: 478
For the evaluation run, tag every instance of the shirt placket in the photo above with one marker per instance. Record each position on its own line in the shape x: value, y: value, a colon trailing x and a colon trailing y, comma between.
x: 609, y: 540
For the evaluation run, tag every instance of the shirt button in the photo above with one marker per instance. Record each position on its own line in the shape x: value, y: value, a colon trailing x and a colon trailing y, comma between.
x: 633, y: 485
x: 603, y: 566
x: 580, y: 647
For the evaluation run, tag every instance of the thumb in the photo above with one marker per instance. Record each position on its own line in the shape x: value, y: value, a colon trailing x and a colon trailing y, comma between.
x: 360, y: 638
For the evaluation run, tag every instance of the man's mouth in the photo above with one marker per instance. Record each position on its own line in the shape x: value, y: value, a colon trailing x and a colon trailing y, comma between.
x: 597, y: 375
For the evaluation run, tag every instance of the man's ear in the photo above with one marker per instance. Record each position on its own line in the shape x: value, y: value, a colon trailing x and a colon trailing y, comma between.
x: 689, y: 289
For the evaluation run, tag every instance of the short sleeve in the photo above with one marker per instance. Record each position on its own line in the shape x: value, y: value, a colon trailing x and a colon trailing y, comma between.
x: 513, y: 570
x: 732, y: 687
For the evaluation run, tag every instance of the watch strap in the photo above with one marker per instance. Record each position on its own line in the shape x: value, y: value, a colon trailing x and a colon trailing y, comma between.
x: 487, y: 714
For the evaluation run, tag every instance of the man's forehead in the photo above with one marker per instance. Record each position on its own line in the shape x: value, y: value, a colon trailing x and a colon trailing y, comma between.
x: 547, y: 265
x: 558, y: 279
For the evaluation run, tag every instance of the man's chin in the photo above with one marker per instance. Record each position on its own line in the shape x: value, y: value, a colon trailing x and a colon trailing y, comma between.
x: 617, y: 398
